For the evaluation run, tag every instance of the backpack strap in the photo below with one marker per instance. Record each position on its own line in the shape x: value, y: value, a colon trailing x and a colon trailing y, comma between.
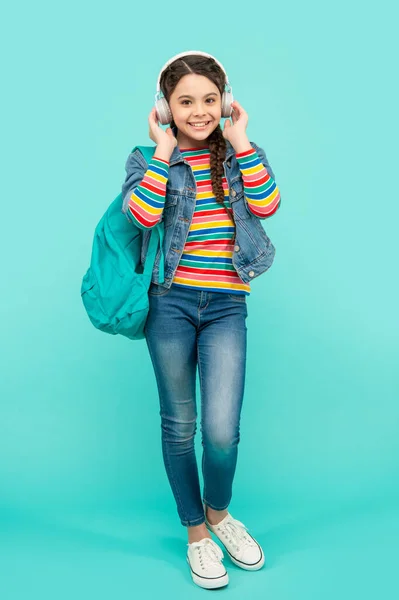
x: 157, y: 233
x: 147, y: 151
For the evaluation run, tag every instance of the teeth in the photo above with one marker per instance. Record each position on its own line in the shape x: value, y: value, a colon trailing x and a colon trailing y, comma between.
x: 199, y: 124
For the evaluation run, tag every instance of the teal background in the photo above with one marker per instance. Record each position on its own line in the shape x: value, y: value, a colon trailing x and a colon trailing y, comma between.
x: 85, y: 507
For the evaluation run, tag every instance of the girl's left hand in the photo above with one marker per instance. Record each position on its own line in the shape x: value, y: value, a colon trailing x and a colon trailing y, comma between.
x: 236, y: 132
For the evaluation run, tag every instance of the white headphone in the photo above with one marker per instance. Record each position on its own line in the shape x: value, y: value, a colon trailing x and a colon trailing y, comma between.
x: 162, y: 107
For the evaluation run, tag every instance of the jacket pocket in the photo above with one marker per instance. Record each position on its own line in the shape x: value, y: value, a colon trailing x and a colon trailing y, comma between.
x: 239, y: 206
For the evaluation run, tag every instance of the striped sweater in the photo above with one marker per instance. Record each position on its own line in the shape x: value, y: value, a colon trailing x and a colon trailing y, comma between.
x: 206, y: 262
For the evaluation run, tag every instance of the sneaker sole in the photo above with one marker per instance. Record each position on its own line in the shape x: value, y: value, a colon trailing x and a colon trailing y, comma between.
x: 209, y: 583
x: 247, y: 566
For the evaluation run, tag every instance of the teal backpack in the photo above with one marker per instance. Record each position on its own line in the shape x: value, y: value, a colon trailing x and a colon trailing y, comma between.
x: 114, y: 289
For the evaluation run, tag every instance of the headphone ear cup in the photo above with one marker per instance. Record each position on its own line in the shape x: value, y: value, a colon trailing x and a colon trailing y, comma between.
x: 163, y: 111
x: 227, y: 99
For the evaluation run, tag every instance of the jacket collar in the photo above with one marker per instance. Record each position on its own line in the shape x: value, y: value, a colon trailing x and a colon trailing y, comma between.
x: 177, y: 156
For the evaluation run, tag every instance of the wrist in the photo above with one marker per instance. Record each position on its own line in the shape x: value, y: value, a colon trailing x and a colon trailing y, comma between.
x: 163, y: 152
x: 242, y: 145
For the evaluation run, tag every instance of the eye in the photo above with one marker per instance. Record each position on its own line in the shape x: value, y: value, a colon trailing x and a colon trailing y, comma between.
x: 212, y: 100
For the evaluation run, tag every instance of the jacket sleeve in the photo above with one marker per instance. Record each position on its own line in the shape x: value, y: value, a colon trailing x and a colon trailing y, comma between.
x: 260, y: 189
x: 144, y: 190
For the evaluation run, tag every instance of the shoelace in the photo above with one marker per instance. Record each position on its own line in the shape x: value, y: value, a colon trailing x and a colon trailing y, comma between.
x: 209, y: 551
x: 237, y: 531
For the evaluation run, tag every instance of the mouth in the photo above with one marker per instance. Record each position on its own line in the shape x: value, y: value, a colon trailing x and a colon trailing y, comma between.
x: 200, y: 126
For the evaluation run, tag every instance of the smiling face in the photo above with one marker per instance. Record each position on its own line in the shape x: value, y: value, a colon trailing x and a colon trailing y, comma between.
x: 195, y: 99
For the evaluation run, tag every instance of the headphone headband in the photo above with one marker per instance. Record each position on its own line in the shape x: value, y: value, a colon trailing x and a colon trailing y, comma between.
x: 162, y: 106
x: 186, y: 54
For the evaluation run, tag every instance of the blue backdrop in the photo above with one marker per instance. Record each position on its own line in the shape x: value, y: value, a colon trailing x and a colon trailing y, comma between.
x: 84, y: 496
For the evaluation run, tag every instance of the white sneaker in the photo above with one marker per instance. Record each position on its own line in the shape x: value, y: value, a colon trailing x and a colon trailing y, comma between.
x: 243, y: 549
x: 204, y: 558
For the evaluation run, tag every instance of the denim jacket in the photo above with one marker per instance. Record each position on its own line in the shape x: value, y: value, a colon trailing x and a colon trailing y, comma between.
x: 253, y: 251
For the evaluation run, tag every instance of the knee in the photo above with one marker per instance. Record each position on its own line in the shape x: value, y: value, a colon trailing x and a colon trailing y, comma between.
x: 222, y: 441
x: 178, y: 431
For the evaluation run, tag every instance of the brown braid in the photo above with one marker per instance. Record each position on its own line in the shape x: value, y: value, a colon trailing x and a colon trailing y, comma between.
x: 208, y: 67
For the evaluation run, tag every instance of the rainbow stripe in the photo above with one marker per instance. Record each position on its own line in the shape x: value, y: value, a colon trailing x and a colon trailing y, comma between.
x: 260, y: 189
x: 206, y: 262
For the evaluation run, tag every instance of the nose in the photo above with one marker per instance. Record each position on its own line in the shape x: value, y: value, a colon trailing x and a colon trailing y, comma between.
x: 199, y: 111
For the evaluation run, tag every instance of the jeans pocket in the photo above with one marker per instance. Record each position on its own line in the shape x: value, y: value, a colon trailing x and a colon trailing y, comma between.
x: 238, y: 297
x: 157, y: 290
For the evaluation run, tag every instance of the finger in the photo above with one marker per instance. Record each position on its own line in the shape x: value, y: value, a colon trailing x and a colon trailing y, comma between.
x: 239, y: 108
x: 236, y: 111
x: 154, y: 117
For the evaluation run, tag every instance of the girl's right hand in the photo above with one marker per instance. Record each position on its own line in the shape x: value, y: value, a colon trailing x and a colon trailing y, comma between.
x: 164, y: 138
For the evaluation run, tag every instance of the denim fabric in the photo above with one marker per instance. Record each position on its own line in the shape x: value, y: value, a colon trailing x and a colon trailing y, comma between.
x: 253, y: 251
x: 186, y: 327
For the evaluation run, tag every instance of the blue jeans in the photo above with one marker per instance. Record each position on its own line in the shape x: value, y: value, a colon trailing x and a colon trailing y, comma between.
x: 185, y: 327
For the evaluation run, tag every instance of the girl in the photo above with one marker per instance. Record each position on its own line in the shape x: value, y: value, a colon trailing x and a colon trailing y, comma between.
x: 211, y: 187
